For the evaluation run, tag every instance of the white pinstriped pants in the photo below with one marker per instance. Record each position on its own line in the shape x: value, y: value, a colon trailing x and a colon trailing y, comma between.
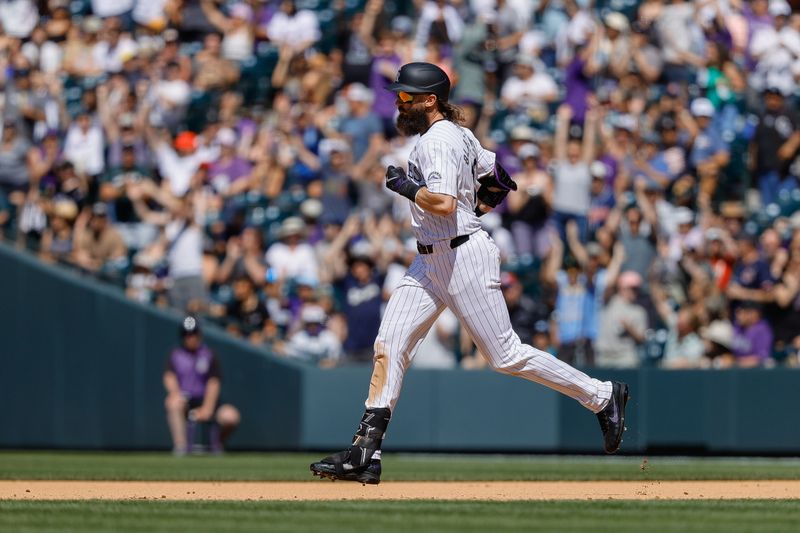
x: 467, y: 280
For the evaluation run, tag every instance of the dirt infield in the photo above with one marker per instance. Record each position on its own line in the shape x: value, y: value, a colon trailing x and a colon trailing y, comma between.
x: 399, y: 490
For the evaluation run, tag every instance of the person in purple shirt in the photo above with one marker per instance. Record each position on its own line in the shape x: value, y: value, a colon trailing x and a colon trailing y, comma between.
x: 229, y: 174
x: 385, y: 64
x: 578, y: 80
x: 752, y: 336
x: 192, y: 380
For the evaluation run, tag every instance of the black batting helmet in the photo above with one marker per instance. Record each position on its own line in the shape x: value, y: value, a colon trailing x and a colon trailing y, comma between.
x: 422, y: 78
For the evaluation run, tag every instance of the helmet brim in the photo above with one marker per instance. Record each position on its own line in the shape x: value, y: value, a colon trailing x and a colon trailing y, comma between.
x: 402, y: 87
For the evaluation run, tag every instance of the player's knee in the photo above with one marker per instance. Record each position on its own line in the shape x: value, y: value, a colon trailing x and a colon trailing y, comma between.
x: 387, y: 349
x: 228, y: 415
x: 175, y: 403
x: 505, y: 364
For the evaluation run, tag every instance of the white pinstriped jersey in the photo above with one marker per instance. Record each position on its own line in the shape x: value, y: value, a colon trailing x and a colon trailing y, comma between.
x: 448, y: 159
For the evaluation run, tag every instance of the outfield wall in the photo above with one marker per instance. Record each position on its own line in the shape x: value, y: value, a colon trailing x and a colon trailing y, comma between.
x: 81, y: 368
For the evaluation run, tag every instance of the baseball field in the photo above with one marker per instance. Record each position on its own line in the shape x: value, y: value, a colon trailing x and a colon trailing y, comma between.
x: 257, y: 492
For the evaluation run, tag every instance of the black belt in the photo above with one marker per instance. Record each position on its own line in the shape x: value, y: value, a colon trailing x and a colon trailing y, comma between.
x: 454, y: 243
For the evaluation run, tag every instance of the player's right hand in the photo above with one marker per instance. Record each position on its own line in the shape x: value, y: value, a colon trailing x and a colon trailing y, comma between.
x: 398, y: 181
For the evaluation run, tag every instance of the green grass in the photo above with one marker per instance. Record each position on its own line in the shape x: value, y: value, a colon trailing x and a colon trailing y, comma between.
x: 397, y: 467
x: 613, y: 516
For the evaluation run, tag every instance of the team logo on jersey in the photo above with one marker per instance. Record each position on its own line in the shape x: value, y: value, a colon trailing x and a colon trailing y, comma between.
x: 434, y: 177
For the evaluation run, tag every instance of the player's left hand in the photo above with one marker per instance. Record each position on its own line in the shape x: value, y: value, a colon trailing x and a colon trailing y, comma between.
x: 202, y: 414
x: 498, y: 180
x: 495, y: 186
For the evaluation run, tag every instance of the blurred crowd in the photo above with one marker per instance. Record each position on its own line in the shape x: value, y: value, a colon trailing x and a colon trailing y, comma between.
x: 227, y: 158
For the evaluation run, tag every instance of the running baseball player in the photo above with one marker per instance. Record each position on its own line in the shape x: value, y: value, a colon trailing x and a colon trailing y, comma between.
x: 451, y: 181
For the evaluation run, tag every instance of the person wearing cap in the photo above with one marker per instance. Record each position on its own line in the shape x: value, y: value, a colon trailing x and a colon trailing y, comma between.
x: 710, y: 153
x: 529, y: 206
x: 229, y: 174
x: 193, y: 382
x: 615, y: 45
x: 362, y: 127
x: 622, y: 326
x: 57, y: 238
x: 292, y: 256
x: 752, y: 336
x: 114, y: 187
x: 508, y: 153
x: 601, y: 196
x: 775, y: 146
x: 362, y: 299
x: 98, y: 245
x: 313, y: 342
x: 752, y: 279
x: 718, y: 343
x: 178, y: 163
x: 530, y: 88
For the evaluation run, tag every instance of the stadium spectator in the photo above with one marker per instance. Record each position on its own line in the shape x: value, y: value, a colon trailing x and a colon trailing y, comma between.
x: 639, y: 138
x: 361, y: 300
x: 313, y: 342
x: 99, y: 247
x: 193, y: 381
x: 622, y: 326
x: 571, y: 175
x: 291, y: 257
x: 752, y: 336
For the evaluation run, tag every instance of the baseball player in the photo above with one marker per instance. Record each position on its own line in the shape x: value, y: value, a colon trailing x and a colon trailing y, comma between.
x: 451, y: 181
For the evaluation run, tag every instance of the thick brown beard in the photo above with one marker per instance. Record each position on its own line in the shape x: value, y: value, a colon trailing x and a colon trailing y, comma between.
x: 412, y: 122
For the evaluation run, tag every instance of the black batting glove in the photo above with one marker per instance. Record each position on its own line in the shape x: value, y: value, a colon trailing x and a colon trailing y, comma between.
x: 494, y: 188
x: 499, y: 179
x: 398, y: 181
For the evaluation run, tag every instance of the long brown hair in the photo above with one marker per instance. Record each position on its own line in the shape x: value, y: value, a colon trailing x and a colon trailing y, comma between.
x: 451, y: 112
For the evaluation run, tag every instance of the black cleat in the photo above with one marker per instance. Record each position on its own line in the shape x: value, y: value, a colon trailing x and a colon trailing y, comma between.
x: 612, y: 418
x: 338, y: 466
